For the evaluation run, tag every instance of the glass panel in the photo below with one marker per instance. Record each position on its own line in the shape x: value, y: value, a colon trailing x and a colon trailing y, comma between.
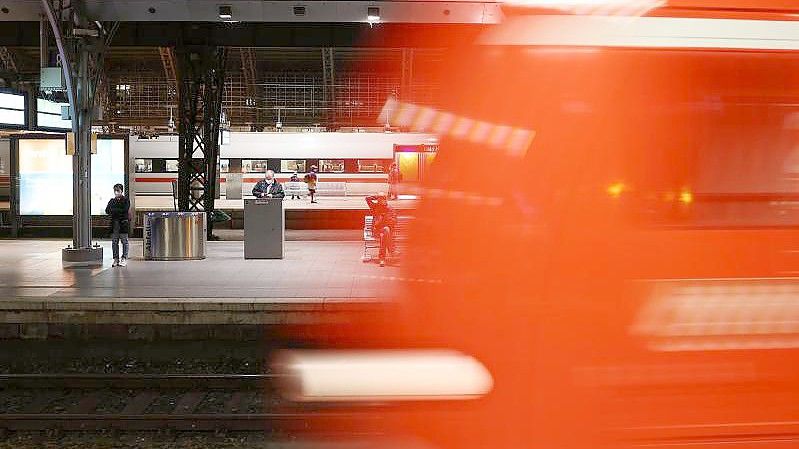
x: 45, y: 175
x: 741, y: 169
x: 409, y: 166
x: 372, y: 166
x: 253, y: 165
x: 108, y: 169
x: 427, y: 160
x: 144, y: 165
x: 331, y: 166
x: 292, y: 165
x: 172, y: 165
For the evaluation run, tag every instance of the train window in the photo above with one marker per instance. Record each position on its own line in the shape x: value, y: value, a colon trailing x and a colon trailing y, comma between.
x: 736, y: 176
x: 715, y: 163
x: 171, y: 165
x: 224, y: 165
x: 292, y: 165
x: 331, y: 165
x: 371, y: 166
x: 253, y: 165
x: 144, y: 165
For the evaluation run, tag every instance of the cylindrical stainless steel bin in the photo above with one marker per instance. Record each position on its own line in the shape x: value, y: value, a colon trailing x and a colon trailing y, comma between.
x: 174, y: 235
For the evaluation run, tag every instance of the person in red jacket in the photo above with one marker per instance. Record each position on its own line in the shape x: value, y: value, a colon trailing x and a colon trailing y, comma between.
x: 384, y: 221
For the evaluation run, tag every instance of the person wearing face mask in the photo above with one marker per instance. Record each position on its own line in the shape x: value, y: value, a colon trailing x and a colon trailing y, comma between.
x: 268, y: 187
x: 294, y: 179
x: 118, y: 210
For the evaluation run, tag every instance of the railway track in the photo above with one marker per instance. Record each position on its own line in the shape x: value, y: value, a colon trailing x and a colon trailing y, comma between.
x: 204, y: 402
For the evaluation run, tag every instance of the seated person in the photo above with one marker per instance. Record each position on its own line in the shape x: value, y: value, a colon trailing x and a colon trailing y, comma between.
x: 268, y: 187
x: 384, y: 221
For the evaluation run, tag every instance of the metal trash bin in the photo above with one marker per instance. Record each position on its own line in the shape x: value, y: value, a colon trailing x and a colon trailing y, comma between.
x: 174, y: 235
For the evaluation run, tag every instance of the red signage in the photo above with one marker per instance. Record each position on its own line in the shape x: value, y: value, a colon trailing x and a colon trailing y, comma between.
x: 424, y: 148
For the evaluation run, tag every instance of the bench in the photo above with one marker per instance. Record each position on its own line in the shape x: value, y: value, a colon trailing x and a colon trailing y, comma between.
x: 331, y: 188
x: 371, y: 243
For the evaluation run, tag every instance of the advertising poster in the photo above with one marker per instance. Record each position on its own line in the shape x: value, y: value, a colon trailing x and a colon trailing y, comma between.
x: 108, y: 168
x: 45, y: 175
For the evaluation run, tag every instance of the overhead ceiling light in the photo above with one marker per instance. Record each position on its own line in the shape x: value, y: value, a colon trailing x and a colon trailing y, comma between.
x: 373, y: 14
x: 225, y: 12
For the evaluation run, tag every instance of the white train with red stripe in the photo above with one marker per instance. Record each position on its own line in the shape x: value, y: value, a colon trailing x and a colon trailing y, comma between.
x: 358, y: 160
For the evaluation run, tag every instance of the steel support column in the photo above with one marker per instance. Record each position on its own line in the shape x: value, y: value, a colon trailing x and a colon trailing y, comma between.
x: 253, y: 103
x: 406, y: 80
x: 200, y: 74
x: 81, y: 58
x: 329, y: 83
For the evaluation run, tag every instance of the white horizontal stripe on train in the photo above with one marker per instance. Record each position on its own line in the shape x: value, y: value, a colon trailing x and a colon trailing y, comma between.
x: 383, y: 375
x: 643, y: 32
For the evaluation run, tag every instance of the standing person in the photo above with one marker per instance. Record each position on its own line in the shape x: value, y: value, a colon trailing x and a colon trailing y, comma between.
x: 294, y: 178
x: 311, y: 179
x: 118, y: 209
x: 384, y: 221
x: 268, y: 187
x: 394, y: 178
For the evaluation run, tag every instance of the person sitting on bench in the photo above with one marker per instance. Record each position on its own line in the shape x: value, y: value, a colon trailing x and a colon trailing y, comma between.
x: 384, y: 221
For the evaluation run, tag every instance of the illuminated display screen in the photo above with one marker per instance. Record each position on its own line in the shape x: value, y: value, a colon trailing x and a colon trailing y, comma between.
x: 12, y: 109
x: 108, y: 168
x: 45, y: 175
x: 49, y: 115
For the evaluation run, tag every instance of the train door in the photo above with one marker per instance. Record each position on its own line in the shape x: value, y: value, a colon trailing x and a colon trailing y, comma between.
x: 414, y: 161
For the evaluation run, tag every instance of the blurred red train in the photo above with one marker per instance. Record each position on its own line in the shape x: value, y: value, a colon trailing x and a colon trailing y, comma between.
x: 630, y: 279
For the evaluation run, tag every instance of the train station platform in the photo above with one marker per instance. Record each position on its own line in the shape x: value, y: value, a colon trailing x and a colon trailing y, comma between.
x: 315, y: 279
x: 330, y: 213
x: 147, y: 203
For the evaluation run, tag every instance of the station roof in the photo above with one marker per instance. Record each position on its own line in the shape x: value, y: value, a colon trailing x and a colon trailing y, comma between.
x: 280, y: 11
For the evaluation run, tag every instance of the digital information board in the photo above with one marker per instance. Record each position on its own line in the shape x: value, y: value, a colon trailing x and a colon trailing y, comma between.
x: 12, y: 109
x: 45, y: 175
x: 48, y: 115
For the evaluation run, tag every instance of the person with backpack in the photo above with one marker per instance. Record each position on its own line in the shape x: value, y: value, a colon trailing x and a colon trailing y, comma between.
x: 293, y: 180
x: 118, y: 210
x: 311, y: 179
x: 384, y: 222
